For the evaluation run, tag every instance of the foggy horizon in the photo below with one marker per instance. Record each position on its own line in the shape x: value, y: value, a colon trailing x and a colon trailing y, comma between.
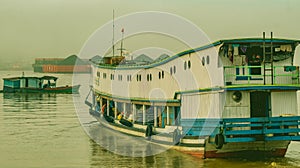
x: 57, y: 29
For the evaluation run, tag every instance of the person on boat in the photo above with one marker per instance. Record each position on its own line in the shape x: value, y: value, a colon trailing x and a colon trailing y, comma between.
x: 98, y: 106
x: 111, y: 109
x: 130, y: 117
x: 120, y: 116
x: 103, y: 109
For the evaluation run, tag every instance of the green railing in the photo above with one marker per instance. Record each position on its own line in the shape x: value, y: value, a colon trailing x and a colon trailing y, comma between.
x: 260, y: 129
x: 255, y: 74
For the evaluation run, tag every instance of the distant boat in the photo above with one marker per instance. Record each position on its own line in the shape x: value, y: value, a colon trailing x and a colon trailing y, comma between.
x: 71, y: 64
x: 45, y: 84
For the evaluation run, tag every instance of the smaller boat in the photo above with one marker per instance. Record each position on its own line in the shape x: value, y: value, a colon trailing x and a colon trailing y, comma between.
x: 45, y: 84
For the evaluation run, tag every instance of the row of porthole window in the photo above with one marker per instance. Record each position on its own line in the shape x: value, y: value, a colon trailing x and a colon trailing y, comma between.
x: 161, y: 75
x: 187, y: 64
x: 120, y: 77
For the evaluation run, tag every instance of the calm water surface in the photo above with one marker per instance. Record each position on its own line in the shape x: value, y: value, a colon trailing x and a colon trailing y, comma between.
x: 44, y: 131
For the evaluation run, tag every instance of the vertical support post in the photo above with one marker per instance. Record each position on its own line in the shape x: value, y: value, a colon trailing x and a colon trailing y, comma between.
x: 101, y: 102
x: 155, y: 116
x: 144, y: 114
x: 272, y: 73
x: 264, y: 56
x: 116, y: 109
x: 168, y: 115
x: 173, y: 110
x: 133, y: 113
x: 94, y: 103
x: 107, y: 107
x: 124, y: 109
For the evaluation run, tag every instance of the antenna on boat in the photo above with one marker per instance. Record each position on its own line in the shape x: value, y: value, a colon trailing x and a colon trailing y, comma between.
x: 113, y: 34
x: 121, y: 51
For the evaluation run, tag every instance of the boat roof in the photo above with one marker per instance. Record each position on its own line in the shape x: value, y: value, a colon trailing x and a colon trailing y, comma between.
x: 32, y: 77
x: 189, y: 51
x: 260, y: 40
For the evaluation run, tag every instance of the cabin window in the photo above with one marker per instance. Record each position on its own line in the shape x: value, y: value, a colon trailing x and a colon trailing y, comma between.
x: 207, y: 59
x: 203, y: 61
x: 98, y: 74
x: 120, y: 77
x: 104, y: 75
x: 138, y: 77
x: 161, y: 74
x: 149, y: 77
x: 112, y: 76
x: 174, y: 69
x: 189, y: 64
x: 128, y: 77
x: 171, y: 71
x: 184, y: 66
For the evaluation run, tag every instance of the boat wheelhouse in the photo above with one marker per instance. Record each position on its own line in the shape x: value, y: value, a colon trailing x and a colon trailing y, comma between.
x: 45, y: 84
x: 228, y: 98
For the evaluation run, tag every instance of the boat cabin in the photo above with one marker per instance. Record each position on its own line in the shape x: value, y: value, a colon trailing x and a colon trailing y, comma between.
x: 259, y: 61
x: 16, y: 83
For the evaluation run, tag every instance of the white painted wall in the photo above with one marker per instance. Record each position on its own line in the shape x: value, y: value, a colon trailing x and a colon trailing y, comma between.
x: 196, y: 77
x: 200, y: 105
x: 284, y: 103
x: 298, y: 102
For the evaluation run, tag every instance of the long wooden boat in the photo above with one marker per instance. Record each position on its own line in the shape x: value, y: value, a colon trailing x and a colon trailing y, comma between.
x: 71, y: 64
x: 231, y: 98
x: 45, y: 84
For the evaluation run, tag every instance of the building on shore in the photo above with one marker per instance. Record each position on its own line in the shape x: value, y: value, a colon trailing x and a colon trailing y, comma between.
x: 71, y: 64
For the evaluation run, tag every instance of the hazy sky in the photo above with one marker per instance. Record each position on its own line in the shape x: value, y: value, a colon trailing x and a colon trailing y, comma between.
x: 59, y: 28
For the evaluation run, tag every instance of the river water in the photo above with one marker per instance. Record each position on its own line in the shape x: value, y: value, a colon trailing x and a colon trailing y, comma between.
x: 54, y: 131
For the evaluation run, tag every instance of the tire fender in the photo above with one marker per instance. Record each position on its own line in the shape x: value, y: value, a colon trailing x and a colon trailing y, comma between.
x: 219, y: 141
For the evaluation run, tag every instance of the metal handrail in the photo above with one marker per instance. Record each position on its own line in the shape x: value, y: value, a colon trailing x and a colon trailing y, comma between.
x: 261, y: 128
x: 294, y: 74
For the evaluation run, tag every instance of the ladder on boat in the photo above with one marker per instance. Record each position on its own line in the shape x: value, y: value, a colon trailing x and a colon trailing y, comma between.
x: 268, y: 58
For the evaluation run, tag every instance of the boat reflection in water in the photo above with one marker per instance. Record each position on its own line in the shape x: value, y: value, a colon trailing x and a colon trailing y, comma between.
x: 122, y: 144
x: 111, y: 148
x: 23, y: 102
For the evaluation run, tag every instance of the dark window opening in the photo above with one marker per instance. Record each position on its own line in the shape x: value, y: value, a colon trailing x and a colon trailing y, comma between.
x: 207, y: 59
x: 189, y: 64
